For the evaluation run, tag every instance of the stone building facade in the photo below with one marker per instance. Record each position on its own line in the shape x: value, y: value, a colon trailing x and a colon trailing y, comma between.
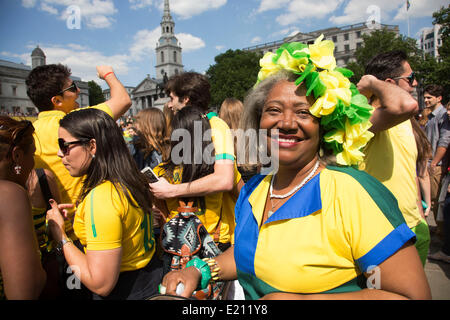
x: 346, y: 39
x: 13, y: 90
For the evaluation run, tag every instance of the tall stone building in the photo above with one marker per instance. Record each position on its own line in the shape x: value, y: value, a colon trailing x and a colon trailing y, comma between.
x: 150, y: 91
x: 168, y: 50
x: 346, y: 39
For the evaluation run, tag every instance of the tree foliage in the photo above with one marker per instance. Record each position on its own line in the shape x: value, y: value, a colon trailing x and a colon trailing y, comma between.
x: 95, y: 93
x: 232, y: 75
x: 380, y: 41
x: 428, y: 69
x: 442, y: 17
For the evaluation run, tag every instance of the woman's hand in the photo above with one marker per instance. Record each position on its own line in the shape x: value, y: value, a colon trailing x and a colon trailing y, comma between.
x: 55, y: 218
x: 189, y: 277
x: 163, y: 189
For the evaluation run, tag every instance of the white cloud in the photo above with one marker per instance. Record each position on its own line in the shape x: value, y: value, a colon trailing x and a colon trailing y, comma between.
x: 48, y: 8
x: 186, y: 9
x: 420, y: 9
x: 80, y: 59
x: 28, y: 3
x: 256, y: 40
x: 144, y: 43
x: 189, y: 42
x: 140, y: 4
x: 220, y: 47
x: 299, y: 10
x: 267, y: 5
x: 95, y: 14
x: 361, y: 10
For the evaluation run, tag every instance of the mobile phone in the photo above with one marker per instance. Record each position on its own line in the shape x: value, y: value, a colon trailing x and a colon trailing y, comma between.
x: 150, y: 174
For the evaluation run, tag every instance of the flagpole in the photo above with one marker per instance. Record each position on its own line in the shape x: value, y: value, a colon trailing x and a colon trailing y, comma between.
x: 407, y: 14
x: 407, y: 17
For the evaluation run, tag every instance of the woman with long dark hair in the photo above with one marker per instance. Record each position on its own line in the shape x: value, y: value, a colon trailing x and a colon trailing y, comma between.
x: 193, y: 158
x: 113, y: 218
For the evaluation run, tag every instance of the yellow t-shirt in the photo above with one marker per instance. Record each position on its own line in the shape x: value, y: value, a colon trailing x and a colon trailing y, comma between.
x: 391, y: 157
x: 105, y: 220
x: 337, y: 226
x: 46, y: 140
x: 217, y: 206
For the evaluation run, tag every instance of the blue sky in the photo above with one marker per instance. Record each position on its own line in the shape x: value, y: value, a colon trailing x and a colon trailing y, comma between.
x: 123, y: 33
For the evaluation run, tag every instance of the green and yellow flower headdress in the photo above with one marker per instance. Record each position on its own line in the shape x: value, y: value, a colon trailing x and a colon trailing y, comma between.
x: 344, y: 112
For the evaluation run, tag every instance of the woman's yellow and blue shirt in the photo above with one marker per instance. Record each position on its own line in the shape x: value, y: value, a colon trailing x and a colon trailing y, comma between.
x: 340, y: 224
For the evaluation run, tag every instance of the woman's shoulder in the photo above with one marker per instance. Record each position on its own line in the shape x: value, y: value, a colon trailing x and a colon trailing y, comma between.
x: 13, y: 197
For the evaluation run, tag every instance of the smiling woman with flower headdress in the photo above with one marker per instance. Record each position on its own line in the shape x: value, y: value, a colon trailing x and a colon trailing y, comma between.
x: 316, y: 228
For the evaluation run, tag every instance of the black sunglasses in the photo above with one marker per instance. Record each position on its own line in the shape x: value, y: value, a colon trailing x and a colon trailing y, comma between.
x: 64, y: 145
x: 410, y: 78
x: 72, y: 88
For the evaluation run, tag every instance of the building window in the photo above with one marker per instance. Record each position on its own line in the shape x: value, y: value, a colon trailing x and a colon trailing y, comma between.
x: 359, y: 45
x: 162, y: 57
x: 334, y: 39
x: 14, y: 91
x: 347, y: 48
x: 175, y: 56
x: 346, y: 36
x: 358, y: 34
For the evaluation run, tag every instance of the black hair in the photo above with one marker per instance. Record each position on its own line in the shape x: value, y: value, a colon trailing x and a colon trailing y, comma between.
x: 434, y: 89
x: 44, y: 82
x: 192, y: 85
x: 113, y: 161
x: 387, y: 65
x: 188, y: 118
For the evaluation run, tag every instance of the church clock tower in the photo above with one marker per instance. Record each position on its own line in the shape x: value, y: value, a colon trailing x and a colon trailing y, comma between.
x: 168, y: 50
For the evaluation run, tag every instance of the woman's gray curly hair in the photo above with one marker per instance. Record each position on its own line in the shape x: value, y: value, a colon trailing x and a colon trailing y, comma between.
x: 254, y: 104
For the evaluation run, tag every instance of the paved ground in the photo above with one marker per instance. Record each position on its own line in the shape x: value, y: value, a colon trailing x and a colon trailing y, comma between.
x: 438, y: 273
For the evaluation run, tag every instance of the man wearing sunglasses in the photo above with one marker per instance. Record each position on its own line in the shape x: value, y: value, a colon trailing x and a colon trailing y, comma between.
x: 55, y: 94
x: 391, y: 155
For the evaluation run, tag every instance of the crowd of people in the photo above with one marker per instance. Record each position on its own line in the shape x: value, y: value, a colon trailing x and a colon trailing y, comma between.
x: 362, y: 178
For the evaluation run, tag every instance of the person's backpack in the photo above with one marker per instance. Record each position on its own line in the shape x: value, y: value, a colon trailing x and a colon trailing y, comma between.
x: 183, y: 238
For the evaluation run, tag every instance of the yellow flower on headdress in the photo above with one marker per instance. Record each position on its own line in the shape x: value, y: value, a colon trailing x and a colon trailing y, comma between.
x: 338, y: 87
x: 322, y: 54
x: 353, y: 139
x: 268, y: 67
x: 288, y: 62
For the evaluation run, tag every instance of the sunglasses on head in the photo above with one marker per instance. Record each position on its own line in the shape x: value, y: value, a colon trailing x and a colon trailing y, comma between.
x: 64, y: 145
x: 72, y: 88
x: 410, y: 78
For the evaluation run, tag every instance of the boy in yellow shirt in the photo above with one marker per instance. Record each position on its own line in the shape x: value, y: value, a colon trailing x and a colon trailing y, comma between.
x: 54, y: 93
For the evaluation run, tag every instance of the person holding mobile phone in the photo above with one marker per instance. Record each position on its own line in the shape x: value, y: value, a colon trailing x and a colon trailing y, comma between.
x: 113, y: 219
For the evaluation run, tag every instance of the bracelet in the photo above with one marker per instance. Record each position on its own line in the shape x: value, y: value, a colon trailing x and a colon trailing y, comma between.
x: 107, y: 74
x: 214, y: 268
x: 204, y: 270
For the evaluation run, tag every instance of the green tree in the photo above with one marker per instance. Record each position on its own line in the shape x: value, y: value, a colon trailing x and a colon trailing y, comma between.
x: 95, y: 93
x: 232, y: 75
x: 442, y: 17
x: 380, y: 41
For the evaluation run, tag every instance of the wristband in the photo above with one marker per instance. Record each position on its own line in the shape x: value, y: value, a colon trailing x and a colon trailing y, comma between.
x: 204, y: 270
x: 214, y: 268
x: 107, y: 74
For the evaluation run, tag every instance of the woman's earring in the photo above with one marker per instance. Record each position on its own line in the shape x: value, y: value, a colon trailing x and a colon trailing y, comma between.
x: 18, y: 169
x: 93, y: 156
